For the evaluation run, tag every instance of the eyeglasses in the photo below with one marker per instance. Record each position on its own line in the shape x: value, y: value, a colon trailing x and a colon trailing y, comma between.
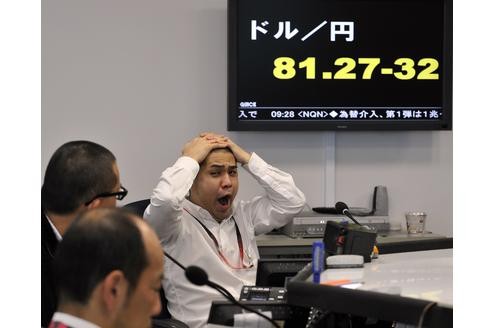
x: 118, y: 194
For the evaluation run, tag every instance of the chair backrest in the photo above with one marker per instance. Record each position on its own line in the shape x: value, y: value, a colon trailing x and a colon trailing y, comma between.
x: 168, y: 323
x: 164, y: 314
x: 138, y: 207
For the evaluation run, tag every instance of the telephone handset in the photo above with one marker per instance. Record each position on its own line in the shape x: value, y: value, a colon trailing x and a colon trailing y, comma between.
x: 359, y: 211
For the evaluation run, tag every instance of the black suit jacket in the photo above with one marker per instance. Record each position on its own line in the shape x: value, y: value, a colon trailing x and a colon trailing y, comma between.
x: 49, y: 244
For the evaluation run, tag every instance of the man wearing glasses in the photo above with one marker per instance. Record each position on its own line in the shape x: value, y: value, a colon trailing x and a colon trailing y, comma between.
x: 81, y: 175
x: 195, y: 214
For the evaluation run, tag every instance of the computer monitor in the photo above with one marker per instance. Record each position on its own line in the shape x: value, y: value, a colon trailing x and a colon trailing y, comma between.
x: 273, y: 272
x: 277, y: 271
x: 339, y: 65
x: 367, y: 303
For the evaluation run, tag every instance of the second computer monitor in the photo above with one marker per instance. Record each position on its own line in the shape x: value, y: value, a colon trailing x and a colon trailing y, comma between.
x: 275, y: 272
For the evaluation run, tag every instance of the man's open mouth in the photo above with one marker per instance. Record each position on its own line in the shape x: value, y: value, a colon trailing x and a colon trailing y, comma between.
x: 225, y: 200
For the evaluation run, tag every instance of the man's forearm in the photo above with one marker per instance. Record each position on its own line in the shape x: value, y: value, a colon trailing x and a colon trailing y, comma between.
x: 166, y: 201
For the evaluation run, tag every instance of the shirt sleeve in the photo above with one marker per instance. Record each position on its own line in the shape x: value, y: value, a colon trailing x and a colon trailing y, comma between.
x: 165, y: 209
x: 283, y: 200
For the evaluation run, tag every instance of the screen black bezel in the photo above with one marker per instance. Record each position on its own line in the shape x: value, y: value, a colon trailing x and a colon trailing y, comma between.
x: 341, y: 125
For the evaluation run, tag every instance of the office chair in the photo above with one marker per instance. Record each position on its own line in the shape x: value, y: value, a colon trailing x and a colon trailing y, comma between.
x: 167, y: 323
x: 163, y: 319
x: 138, y: 207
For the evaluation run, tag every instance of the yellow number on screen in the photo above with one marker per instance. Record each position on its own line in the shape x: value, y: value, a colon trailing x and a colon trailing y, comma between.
x: 371, y: 64
x: 284, y: 68
x: 309, y: 64
x: 428, y: 73
x: 408, y: 71
x: 348, y: 64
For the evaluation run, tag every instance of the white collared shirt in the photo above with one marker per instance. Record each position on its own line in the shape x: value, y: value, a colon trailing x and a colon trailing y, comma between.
x: 55, y: 231
x: 186, y: 240
x: 72, y: 321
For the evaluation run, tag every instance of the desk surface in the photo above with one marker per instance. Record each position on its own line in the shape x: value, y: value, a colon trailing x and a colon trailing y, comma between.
x: 425, y: 275
x: 395, y: 287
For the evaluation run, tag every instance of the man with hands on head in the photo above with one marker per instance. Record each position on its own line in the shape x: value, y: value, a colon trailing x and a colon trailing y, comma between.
x: 198, y: 220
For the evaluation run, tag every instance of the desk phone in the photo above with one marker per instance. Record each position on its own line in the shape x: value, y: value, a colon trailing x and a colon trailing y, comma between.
x: 254, y: 293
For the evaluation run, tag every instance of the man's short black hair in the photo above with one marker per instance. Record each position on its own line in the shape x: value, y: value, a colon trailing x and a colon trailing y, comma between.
x: 98, y: 242
x: 225, y: 149
x: 77, y: 172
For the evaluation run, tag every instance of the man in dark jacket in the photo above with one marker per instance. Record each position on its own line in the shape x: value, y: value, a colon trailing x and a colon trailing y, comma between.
x: 108, y: 269
x: 81, y: 175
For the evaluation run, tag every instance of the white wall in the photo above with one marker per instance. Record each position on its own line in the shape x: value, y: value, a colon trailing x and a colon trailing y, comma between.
x: 143, y: 77
x: 415, y: 166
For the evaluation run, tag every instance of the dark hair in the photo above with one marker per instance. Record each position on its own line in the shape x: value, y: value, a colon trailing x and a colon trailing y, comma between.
x: 225, y: 149
x: 98, y: 242
x: 77, y: 172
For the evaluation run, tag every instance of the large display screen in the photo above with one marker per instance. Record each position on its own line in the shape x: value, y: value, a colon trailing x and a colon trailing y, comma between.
x: 340, y: 65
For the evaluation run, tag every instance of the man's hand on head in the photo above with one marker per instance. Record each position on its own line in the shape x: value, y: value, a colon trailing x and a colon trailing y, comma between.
x: 240, y: 154
x: 199, y: 147
x: 213, y: 136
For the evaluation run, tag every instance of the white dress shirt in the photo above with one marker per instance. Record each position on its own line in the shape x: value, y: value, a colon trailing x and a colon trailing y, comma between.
x: 171, y: 215
x: 55, y: 231
x: 72, y: 321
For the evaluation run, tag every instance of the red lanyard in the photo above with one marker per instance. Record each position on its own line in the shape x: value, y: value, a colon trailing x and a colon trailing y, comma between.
x: 222, y: 256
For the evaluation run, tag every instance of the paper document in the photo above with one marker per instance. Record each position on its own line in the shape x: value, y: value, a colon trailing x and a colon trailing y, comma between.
x: 252, y: 320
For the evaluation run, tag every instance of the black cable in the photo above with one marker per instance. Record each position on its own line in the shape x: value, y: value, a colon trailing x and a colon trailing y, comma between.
x: 257, y: 312
x: 227, y: 295
x: 224, y: 292
x: 174, y: 260
x: 424, y: 312
x: 220, y: 289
